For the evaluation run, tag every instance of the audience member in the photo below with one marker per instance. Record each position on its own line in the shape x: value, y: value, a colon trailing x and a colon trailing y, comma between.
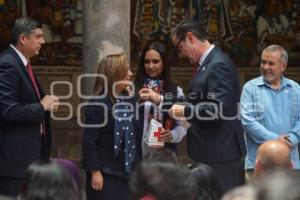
x: 162, y: 181
x: 72, y: 168
x: 246, y: 192
x: 6, y: 198
x: 280, y: 185
x: 162, y: 155
x: 209, y: 187
x: 47, y: 180
x: 270, y: 107
x: 271, y: 155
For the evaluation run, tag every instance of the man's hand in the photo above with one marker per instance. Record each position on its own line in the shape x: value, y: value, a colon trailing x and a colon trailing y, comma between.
x: 50, y: 103
x: 97, y: 180
x: 177, y: 112
x: 166, y: 136
x: 285, y: 139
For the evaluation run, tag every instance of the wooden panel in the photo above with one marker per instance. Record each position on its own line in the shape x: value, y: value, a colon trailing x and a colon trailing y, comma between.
x: 64, y: 79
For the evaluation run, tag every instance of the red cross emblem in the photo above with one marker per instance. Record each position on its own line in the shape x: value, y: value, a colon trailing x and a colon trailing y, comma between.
x: 157, y: 133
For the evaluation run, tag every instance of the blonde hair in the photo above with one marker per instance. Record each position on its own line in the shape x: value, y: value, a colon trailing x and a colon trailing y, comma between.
x: 114, y: 68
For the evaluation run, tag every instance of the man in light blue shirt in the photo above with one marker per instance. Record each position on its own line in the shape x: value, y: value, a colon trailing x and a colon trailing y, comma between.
x: 270, y: 107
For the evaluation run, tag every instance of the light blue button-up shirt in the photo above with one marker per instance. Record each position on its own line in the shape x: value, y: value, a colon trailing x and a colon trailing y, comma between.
x: 268, y: 113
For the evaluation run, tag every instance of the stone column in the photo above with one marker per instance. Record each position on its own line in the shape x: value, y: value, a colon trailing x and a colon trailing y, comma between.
x: 104, y: 20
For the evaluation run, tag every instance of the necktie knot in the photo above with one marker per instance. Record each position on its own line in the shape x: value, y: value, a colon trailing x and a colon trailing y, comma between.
x: 28, y: 65
x: 195, y: 69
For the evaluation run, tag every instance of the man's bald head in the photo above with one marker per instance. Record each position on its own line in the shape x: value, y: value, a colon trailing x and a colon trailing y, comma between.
x: 271, y: 155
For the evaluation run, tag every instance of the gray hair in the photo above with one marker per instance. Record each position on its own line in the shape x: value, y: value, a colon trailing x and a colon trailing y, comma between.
x: 277, y: 48
x: 280, y: 185
x: 24, y: 25
x: 246, y: 192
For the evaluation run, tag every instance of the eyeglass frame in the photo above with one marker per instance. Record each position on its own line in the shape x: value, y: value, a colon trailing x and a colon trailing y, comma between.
x: 178, y: 43
x: 175, y: 48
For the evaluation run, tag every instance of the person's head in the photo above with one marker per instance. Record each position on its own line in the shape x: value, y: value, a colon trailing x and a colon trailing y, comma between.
x: 162, y: 181
x: 190, y: 40
x: 161, y: 155
x: 246, y: 192
x: 71, y: 167
x: 116, y: 70
x: 27, y: 36
x: 274, y: 61
x: 280, y: 185
x: 48, y: 180
x: 153, y: 60
x: 209, y: 187
x: 6, y: 198
x: 153, y: 64
x: 272, y: 155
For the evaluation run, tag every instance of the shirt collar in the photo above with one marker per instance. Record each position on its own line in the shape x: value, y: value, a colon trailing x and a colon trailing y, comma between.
x: 22, y: 57
x: 206, y: 54
x: 284, y: 82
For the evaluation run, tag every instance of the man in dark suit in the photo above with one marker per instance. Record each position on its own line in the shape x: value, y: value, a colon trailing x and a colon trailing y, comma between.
x: 24, y: 126
x: 215, y: 136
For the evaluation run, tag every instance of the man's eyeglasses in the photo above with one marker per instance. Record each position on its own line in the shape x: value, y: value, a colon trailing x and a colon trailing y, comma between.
x: 178, y: 43
x: 176, y: 50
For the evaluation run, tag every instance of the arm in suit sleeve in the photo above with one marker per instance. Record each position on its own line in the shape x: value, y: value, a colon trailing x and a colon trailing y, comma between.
x: 94, y: 115
x: 11, y: 109
x: 249, y: 114
x: 220, y: 97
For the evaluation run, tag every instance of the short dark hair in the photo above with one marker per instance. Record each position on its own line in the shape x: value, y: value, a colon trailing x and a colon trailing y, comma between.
x: 48, y: 180
x: 24, y: 25
x: 192, y: 26
x: 162, y: 180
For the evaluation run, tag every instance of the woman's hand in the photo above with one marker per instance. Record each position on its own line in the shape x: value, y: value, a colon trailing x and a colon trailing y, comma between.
x: 150, y: 95
x: 97, y: 180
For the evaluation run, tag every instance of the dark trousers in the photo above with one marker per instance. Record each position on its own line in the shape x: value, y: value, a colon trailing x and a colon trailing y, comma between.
x: 114, y: 187
x: 230, y: 174
x: 10, y: 186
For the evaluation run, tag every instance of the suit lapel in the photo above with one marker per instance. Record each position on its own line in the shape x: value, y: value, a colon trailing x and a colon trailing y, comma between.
x: 24, y: 70
x: 207, y: 60
x: 19, y: 61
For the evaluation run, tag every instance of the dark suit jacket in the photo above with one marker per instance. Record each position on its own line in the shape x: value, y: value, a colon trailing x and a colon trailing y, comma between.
x: 214, y: 91
x: 98, y: 142
x: 21, y: 117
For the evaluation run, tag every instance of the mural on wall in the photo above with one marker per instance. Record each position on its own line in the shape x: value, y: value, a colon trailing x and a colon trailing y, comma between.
x: 61, y: 22
x: 242, y: 27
